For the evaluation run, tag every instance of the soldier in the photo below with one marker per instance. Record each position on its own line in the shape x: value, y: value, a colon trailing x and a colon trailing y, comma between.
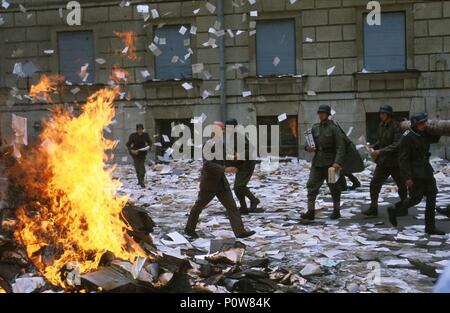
x: 246, y: 167
x: 417, y: 172
x: 213, y: 183
x: 385, y: 155
x: 138, y: 144
x: 329, y: 152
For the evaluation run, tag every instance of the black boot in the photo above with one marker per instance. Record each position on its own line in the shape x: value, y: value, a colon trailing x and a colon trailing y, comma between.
x: 371, y: 212
x: 191, y: 233
x: 310, y: 214
x: 336, y: 208
x: 355, y: 182
x: 254, y: 205
x: 392, y: 212
x: 430, y: 220
x: 246, y: 234
x: 241, y: 198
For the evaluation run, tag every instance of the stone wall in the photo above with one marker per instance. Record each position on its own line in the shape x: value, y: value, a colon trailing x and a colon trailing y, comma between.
x: 334, y: 25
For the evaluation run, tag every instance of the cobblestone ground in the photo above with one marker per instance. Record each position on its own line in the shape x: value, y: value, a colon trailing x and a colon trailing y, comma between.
x: 349, y: 255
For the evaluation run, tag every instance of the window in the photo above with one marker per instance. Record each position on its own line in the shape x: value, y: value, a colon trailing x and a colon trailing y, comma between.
x: 173, y: 62
x: 373, y: 120
x: 164, y: 128
x: 288, y: 134
x: 76, y: 49
x: 385, y: 44
x: 275, y: 47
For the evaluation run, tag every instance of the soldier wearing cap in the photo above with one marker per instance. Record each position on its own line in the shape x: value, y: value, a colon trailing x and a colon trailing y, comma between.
x: 214, y: 183
x: 385, y: 155
x: 138, y: 144
x: 246, y: 168
x: 329, y: 152
x: 417, y: 172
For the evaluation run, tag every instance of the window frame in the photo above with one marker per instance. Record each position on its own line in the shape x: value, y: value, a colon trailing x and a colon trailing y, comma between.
x: 405, y: 57
x: 54, y: 58
x: 295, y: 47
x: 409, y: 35
x: 150, y: 59
x: 298, y: 35
x: 93, y: 55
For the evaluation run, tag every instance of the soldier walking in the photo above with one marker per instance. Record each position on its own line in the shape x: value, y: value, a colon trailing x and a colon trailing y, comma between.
x: 138, y: 144
x: 329, y: 152
x: 385, y: 155
x: 418, y: 174
x: 246, y: 168
x: 213, y: 183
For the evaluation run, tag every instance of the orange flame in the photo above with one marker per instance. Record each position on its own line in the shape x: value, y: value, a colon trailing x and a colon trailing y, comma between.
x: 76, y: 215
x: 46, y: 85
x: 129, y: 40
x: 293, y: 127
x: 118, y: 74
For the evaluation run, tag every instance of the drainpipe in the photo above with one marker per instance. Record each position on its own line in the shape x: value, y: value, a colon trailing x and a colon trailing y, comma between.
x: 223, y: 104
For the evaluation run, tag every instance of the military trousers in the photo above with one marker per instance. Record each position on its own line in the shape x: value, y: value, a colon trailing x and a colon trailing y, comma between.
x: 139, y: 166
x: 241, y: 181
x: 422, y: 188
x: 380, y: 175
x: 226, y: 199
x: 317, y: 176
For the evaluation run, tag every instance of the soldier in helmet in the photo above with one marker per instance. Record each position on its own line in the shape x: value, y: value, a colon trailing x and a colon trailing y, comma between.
x: 417, y: 172
x: 329, y: 152
x: 385, y: 155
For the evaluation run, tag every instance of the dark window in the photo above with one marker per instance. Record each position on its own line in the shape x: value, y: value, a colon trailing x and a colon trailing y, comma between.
x: 171, y: 63
x: 385, y: 44
x: 164, y: 127
x: 275, y: 47
x: 373, y: 120
x: 288, y: 134
x: 76, y: 49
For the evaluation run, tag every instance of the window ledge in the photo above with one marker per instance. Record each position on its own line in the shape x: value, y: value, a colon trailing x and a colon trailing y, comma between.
x: 273, y: 79
x: 407, y: 74
x: 171, y: 82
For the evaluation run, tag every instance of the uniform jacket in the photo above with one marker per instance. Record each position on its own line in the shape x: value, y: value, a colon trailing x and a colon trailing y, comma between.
x: 136, y: 142
x: 388, y: 143
x: 213, y: 177
x: 414, y: 155
x: 330, y: 144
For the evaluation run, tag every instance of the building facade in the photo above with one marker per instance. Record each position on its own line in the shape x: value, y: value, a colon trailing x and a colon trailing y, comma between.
x: 279, y: 56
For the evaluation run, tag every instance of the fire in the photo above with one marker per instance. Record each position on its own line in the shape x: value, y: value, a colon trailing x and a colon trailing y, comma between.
x: 293, y: 127
x: 118, y: 74
x: 76, y: 213
x: 46, y: 85
x: 129, y: 40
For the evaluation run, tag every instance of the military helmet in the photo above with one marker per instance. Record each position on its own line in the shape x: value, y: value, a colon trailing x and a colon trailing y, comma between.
x: 386, y: 109
x: 418, y: 118
x: 324, y: 108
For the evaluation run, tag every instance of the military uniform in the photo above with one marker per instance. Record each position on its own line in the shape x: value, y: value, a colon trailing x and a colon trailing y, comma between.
x: 136, y: 142
x: 213, y: 183
x: 246, y: 168
x: 415, y: 165
x: 389, y: 136
x: 330, y: 149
